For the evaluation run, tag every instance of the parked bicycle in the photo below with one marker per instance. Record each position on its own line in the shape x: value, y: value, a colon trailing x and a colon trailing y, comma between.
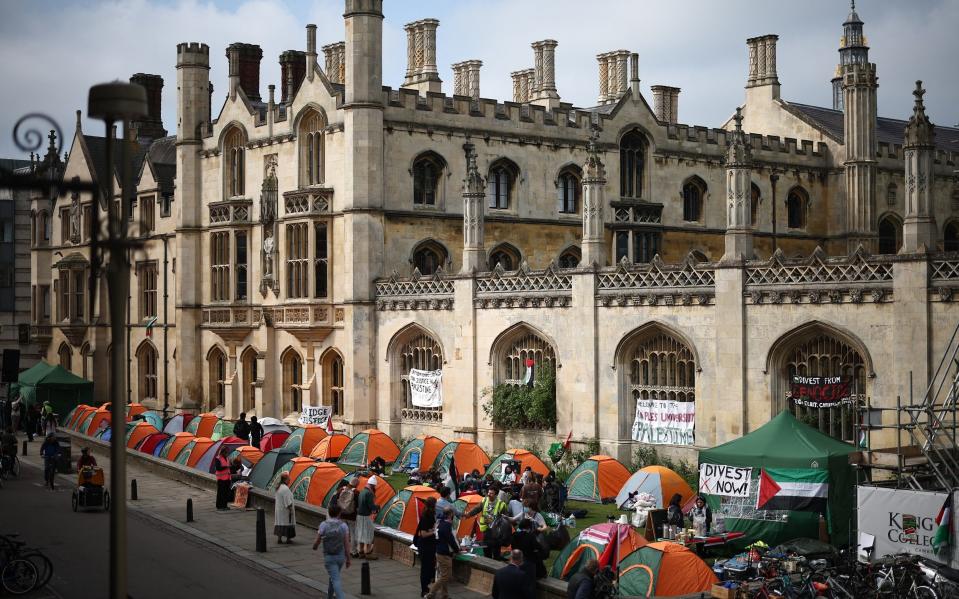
x: 22, y: 569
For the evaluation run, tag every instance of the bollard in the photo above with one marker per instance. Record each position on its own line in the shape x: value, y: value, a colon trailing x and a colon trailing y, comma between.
x: 365, y: 579
x: 133, y: 490
x: 24, y: 448
x: 189, y: 510
x: 260, y: 530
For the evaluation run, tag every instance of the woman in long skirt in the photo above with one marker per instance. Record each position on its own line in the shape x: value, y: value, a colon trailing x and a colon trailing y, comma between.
x: 284, y: 524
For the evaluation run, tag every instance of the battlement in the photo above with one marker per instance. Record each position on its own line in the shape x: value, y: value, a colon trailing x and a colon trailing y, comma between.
x: 768, y: 143
x: 192, y: 53
x: 895, y: 152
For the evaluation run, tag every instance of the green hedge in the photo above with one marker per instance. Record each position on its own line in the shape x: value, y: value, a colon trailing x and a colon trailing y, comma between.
x: 522, y: 407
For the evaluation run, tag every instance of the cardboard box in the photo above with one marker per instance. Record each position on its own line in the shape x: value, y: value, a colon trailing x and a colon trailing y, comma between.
x: 721, y: 592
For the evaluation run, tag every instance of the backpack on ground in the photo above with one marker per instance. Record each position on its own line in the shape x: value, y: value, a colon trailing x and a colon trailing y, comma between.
x: 347, y: 502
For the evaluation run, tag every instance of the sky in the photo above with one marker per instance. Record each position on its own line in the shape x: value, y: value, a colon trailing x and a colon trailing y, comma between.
x: 54, y: 50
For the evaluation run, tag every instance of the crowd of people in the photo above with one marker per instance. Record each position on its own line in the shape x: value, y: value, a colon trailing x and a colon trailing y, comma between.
x: 34, y: 419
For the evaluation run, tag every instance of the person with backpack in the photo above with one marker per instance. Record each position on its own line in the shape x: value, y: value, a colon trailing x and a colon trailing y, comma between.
x: 346, y: 498
x: 335, y: 536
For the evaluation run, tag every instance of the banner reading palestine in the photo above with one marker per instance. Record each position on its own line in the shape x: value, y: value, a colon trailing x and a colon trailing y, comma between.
x: 793, y: 489
x: 820, y: 391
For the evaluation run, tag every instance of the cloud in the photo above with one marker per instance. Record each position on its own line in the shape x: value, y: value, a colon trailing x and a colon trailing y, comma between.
x: 54, y: 51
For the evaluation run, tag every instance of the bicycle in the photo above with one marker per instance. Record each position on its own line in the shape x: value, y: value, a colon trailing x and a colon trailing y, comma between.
x: 901, y: 578
x: 9, y: 464
x: 12, y: 549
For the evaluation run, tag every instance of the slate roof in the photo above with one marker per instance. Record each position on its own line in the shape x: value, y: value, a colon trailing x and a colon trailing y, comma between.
x: 97, y: 147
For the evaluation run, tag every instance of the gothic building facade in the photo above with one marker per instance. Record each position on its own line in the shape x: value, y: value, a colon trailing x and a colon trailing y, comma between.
x: 314, y: 248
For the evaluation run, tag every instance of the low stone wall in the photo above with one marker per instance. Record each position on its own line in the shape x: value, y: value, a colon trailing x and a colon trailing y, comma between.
x: 475, y: 572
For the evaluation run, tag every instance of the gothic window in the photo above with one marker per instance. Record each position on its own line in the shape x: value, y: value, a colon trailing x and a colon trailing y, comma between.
x: 637, y: 246
x: 694, y: 191
x: 506, y: 256
x: 891, y: 192
x: 568, y: 191
x: 43, y: 227
x: 321, y: 261
x: 428, y: 256
x: 147, y: 371
x: 333, y: 381
x: 72, y: 300
x: 147, y: 282
x: 890, y: 234
x: 147, y: 214
x: 516, y: 349
x: 297, y: 260
x: 86, y: 222
x: 632, y: 160
x: 234, y: 160
x: 65, y: 354
x: 950, y: 237
x: 311, y: 148
x: 85, y: 357
x: 292, y: 382
x: 248, y: 362
x: 241, y: 264
x: 502, y: 177
x: 427, y: 170
x: 216, y: 362
x: 570, y: 257
x: 755, y: 197
x: 797, y: 202
x: 64, y: 226
x: 416, y: 349
x: 220, y: 266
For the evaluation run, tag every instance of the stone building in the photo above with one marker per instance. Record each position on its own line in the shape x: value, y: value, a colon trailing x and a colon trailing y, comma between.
x: 319, y: 245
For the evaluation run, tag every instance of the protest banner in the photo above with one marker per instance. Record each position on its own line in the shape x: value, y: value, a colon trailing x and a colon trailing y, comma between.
x: 730, y: 481
x: 662, y: 422
x: 426, y: 388
x: 316, y: 415
x: 820, y: 391
x: 899, y: 520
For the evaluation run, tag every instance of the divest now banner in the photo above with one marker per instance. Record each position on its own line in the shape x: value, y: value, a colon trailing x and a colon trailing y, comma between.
x: 729, y: 481
x: 316, y: 415
x: 664, y: 422
x: 901, y: 521
x: 426, y: 388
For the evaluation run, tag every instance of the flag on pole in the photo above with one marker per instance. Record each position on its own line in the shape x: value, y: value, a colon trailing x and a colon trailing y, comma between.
x: 528, y: 377
x: 943, y: 535
x: 329, y: 424
x: 454, y: 477
x: 795, y: 489
x: 557, y: 450
x: 569, y: 439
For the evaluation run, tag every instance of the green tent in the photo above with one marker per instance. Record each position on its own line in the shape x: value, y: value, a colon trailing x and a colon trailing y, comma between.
x: 63, y: 389
x: 790, y: 452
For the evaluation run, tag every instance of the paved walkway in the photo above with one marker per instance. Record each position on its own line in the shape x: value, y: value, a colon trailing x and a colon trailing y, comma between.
x: 164, y: 500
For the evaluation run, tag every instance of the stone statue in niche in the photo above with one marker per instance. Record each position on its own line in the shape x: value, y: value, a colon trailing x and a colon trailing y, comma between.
x: 268, y: 248
x: 269, y: 196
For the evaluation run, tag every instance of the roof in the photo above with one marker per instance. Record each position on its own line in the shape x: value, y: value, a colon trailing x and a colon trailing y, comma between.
x: 162, y: 155
x: 46, y: 374
x: 890, y: 131
x: 12, y: 164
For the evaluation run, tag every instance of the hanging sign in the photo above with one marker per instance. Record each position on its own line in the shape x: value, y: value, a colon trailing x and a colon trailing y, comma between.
x: 662, y: 422
x: 730, y: 481
x: 426, y: 388
x: 900, y: 520
x: 820, y: 391
x: 316, y: 415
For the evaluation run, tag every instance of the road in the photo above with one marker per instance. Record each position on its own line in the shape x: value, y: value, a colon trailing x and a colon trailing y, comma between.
x: 162, y: 562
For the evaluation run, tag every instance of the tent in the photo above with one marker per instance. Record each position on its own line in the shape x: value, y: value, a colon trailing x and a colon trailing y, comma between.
x: 465, y: 525
x: 178, y: 424
x: 63, y: 389
x: 154, y: 418
x: 270, y: 425
x: 194, y: 450
x: 67, y: 420
x: 135, y: 409
x: 222, y: 429
x: 100, y: 418
x: 330, y: 448
x: 203, y: 425
x: 271, y: 461
x: 303, y: 439
x: 664, y: 570
x: 382, y: 495
x: 660, y: 482
x: 152, y: 444
x: 315, y: 481
x: 468, y: 455
x: 418, y: 453
x: 273, y: 440
x: 138, y: 432
x: 294, y: 467
x: 206, y: 461
x: 176, y: 443
x: 592, y: 542
x: 789, y: 451
x: 525, y: 458
x: 104, y: 433
x: 402, y: 512
x: 598, y: 479
x: 84, y: 423
x: 78, y: 416
x: 367, y: 445
x: 248, y: 454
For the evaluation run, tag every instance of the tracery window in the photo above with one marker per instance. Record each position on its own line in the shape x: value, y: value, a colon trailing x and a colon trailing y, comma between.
x: 891, y: 194
x: 570, y: 258
x: 333, y: 376
x: 65, y: 354
x: 85, y: 358
x: 890, y: 235
x: 147, y: 282
x: 637, y: 246
x: 321, y: 261
x: 297, y: 260
x: 421, y: 352
x: 693, y: 193
x: 426, y: 178
x: 216, y: 362
x: 220, y: 266
x: 568, y: 191
x: 234, y: 158
x: 428, y: 257
x: 248, y: 362
x: 147, y: 369
x: 506, y: 256
x: 292, y: 382
x: 632, y: 160
x: 755, y: 197
x: 662, y: 367
x: 526, y: 346
x: 797, y: 202
x: 241, y: 264
x: 311, y: 148
x: 502, y: 177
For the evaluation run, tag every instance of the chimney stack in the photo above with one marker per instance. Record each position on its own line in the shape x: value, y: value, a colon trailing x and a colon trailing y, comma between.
x: 762, y: 63
x: 523, y: 85
x: 421, y: 71
x: 335, y: 62
x: 543, y: 92
x: 612, y: 75
x: 245, y: 69
x: 310, y: 51
x: 466, y: 78
x: 666, y: 103
x: 151, y: 125
x: 292, y: 71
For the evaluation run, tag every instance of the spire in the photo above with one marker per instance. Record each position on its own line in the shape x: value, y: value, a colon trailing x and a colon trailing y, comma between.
x: 919, y: 130
x: 852, y: 50
x: 474, y: 183
x: 593, y: 169
x: 738, y: 152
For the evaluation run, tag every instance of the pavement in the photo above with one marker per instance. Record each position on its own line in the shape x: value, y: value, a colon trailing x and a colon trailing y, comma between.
x: 213, y: 556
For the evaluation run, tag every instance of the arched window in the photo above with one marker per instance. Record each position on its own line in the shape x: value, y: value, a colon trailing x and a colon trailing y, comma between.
x: 568, y: 190
x: 428, y: 256
x: 234, y: 162
x: 694, y: 192
x: 43, y: 228
x: 656, y: 365
x: 891, y: 193
x: 427, y: 170
x: 499, y: 185
x: 85, y: 357
x: 890, y: 234
x: 216, y: 362
x: 333, y: 384
x: 950, y: 237
x: 796, y: 205
x: 506, y: 256
x: 66, y: 356
x: 414, y: 348
x: 248, y: 363
x: 755, y: 199
x: 147, y: 371
x: 570, y: 257
x: 698, y: 256
x: 632, y: 160
x: 292, y: 382
x: 311, y: 148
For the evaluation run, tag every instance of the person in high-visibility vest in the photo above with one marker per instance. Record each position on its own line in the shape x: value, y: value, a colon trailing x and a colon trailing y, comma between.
x: 489, y: 509
x: 222, y: 470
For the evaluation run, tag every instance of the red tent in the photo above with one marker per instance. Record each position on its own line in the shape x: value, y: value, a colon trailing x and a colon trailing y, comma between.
x: 149, y: 444
x: 273, y: 440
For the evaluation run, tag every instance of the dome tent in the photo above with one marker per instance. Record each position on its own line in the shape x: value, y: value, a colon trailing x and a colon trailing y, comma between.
x: 383, y: 493
x: 138, y: 432
x: 420, y: 451
x: 175, y: 444
x: 248, y: 454
x: 294, y: 468
x: 598, y: 479
x: 660, y: 482
x: 271, y: 461
x: 524, y: 457
x: 367, y: 445
x: 330, y: 448
x: 468, y: 455
x: 315, y: 481
x: 178, y: 424
x: 664, y: 570
x: 403, y: 511
x: 303, y: 439
x: 591, y: 543
x: 153, y: 443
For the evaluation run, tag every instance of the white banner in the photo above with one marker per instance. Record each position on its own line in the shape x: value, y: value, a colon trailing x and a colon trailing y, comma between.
x: 316, y: 415
x: 901, y: 521
x: 426, y: 388
x: 664, y: 422
x: 731, y: 481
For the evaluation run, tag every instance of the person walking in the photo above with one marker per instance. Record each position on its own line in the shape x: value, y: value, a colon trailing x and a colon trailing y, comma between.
x: 511, y: 582
x: 347, y: 498
x: 425, y: 540
x: 335, y: 536
x: 49, y: 419
x: 241, y: 428
x: 284, y: 523
x: 256, y: 432
x: 221, y: 468
x: 581, y: 584
x: 446, y: 548
x: 50, y: 452
x: 365, y: 509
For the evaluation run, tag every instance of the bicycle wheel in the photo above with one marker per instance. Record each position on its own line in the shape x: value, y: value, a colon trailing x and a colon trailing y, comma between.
x: 923, y: 592
x: 43, y: 565
x: 18, y: 577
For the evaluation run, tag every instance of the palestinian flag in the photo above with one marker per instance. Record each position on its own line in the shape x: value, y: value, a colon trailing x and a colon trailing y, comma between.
x: 793, y: 489
x: 529, y: 376
x: 943, y: 535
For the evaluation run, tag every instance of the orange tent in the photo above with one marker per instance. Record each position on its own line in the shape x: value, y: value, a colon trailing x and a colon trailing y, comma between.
x: 468, y: 455
x: 203, y: 425
x: 597, y: 479
x: 330, y: 448
x: 465, y: 525
x: 294, y: 467
x: 302, y: 440
x: 101, y: 415
x: 381, y: 496
x: 524, y: 457
x: 79, y: 416
x: 135, y: 409
x: 665, y: 570
x: 592, y: 542
x: 172, y: 448
x: 315, y: 482
x: 251, y: 455
x: 402, y: 512
x: 200, y: 446
x: 139, y: 432
x: 422, y: 450
x: 368, y: 445
x: 658, y: 481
